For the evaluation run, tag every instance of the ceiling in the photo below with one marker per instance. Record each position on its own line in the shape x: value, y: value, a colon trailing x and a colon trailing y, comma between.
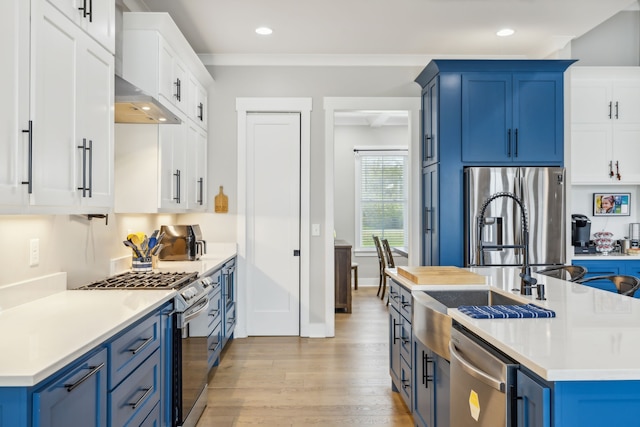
x: 222, y: 31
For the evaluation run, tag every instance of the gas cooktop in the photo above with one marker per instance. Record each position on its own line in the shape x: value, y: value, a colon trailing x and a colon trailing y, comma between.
x: 144, y: 280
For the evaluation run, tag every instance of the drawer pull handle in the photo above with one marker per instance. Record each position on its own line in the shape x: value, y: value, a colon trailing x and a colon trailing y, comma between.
x: 146, y: 394
x: 146, y: 342
x: 213, y: 313
x: 94, y: 370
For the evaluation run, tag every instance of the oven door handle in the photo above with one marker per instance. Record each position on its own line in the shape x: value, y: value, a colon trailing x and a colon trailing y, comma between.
x: 195, y: 311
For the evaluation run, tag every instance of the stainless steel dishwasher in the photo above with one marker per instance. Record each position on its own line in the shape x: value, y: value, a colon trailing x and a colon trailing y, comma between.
x: 482, y: 383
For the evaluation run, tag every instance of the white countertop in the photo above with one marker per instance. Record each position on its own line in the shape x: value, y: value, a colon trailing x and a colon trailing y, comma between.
x: 217, y: 254
x: 44, y: 335
x: 594, y: 336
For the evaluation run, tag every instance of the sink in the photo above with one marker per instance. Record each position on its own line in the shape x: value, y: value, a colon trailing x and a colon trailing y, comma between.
x: 456, y: 298
x: 431, y: 323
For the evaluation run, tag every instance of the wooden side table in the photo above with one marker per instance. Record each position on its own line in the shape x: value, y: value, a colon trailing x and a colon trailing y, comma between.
x: 342, y: 275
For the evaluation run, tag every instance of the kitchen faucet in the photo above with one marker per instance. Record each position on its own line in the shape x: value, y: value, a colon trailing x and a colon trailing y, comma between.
x: 527, y: 281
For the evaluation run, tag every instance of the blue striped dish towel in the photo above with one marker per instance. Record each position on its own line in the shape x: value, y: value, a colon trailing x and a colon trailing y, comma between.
x: 505, y: 311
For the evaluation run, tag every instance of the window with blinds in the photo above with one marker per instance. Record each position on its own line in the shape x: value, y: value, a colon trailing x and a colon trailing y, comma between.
x: 381, y: 197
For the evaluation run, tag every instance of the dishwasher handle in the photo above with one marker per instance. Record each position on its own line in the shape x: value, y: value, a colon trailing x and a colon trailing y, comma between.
x: 475, y: 372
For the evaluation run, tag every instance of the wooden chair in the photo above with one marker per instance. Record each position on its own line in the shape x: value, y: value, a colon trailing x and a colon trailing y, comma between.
x: 381, y: 262
x: 572, y: 273
x: 388, y: 253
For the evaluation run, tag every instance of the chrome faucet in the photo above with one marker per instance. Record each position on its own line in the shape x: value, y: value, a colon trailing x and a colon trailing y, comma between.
x: 527, y: 281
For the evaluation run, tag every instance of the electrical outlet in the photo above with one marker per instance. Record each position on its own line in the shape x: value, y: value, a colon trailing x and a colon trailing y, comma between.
x: 315, y: 229
x: 34, y: 252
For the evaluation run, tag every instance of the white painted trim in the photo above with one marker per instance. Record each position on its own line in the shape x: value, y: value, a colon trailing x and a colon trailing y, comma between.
x: 335, y: 60
x: 302, y: 106
x: 331, y: 105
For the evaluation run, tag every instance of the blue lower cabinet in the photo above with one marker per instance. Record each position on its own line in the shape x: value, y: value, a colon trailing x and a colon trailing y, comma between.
x: 153, y: 419
x: 77, y: 397
x: 534, y: 402
x: 431, y: 379
x: 132, y: 401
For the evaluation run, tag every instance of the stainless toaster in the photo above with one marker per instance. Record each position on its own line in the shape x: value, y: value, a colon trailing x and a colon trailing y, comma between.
x: 182, y: 243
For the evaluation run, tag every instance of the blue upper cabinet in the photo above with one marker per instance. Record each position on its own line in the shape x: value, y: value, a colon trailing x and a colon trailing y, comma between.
x: 482, y: 113
x: 512, y: 118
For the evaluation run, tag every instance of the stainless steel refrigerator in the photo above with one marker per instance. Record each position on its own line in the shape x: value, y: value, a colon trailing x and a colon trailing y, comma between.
x: 542, y: 191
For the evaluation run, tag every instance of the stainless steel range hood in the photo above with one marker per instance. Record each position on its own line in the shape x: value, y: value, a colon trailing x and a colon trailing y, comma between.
x: 133, y: 105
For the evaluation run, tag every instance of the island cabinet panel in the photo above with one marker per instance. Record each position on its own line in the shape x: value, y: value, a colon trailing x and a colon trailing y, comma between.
x: 595, y: 403
x: 77, y: 397
x: 400, y: 340
x: 534, y: 402
x: 431, y: 378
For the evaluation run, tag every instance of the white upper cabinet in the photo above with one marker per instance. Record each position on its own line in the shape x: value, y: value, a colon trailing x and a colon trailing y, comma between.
x: 72, y: 115
x: 197, y: 109
x: 57, y: 156
x: 196, y: 179
x: 158, y: 59
x: 14, y: 106
x: 605, y: 125
x: 96, y: 17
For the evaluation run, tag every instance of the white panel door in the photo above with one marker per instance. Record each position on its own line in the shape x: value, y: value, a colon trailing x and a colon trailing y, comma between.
x: 273, y: 223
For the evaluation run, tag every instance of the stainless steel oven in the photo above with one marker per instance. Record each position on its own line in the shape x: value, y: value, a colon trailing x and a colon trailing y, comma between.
x: 188, y: 370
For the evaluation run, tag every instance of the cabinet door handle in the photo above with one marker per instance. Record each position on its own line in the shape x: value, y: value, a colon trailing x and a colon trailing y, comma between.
x: 428, y: 147
x: 29, y: 181
x: 509, y: 143
x: 610, y: 103
x: 427, y: 222
x: 146, y: 342
x: 395, y: 336
x: 611, y: 169
x: 177, y: 85
x: 177, y: 175
x: 93, y: 370
x: 515, y: 150
x: 90, y: 168
x: 201, y: 191
x: 201, y: 111
x: 616, y: 110
x: 83, y: 147
x: 425, y: 369
x: 87, y: 11
x: 146, y: 394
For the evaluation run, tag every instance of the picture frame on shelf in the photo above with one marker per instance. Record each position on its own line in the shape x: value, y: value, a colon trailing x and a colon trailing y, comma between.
x: 611, y: 204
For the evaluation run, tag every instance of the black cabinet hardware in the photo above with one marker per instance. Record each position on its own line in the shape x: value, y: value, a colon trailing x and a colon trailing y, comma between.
x: 29, y: 181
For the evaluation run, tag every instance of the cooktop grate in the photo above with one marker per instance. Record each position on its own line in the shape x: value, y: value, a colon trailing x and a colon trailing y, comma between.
x: 143, y: 280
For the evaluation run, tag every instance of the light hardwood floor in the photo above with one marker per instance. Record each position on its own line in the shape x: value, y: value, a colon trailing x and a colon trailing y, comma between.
x: 289, y: 381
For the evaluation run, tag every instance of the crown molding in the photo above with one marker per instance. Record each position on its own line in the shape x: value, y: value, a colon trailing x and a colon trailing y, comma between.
x: 334, y: 60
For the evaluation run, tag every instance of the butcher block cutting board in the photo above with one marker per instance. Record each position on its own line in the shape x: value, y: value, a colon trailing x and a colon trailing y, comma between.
x: 444, y: 275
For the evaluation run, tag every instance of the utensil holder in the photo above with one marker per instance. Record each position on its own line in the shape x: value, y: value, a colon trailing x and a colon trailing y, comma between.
x: 141, y: 264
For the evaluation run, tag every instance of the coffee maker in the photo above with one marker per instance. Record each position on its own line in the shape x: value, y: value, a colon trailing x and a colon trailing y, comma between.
x: 581, y: 234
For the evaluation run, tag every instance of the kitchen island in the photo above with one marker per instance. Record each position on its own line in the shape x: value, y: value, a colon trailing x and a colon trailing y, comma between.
x: 584, y: 363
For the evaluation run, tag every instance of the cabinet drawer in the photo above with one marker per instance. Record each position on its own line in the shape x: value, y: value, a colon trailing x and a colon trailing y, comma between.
x: 134, y: 399
x: 215, y: 309
x: 394, y: 294
x: 78, y: 397
x: 405, y: 382
x: 405, y: 339
x: 214, y: 344
x: 153, y: 419
x: 132, y: 347
x: 230, y: 320
x: 405, y: 304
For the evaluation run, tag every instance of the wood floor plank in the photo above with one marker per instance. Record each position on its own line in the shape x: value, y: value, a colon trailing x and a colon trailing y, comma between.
x: 295, y: 382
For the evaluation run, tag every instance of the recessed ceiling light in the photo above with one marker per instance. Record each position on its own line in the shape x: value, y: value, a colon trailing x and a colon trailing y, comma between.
x: 162, y: 119
x: 505, y: 32
x: 264, y: 31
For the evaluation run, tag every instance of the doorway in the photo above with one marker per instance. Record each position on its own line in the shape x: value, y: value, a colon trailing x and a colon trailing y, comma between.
x: 334, y: 106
